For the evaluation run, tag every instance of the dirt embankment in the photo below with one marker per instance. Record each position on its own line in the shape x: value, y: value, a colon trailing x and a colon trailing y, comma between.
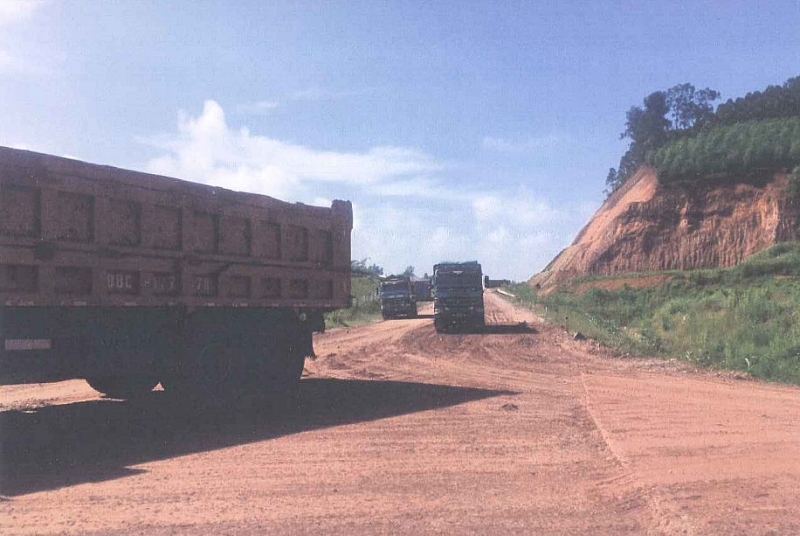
x: 646, y: 226
x: 400, y: 430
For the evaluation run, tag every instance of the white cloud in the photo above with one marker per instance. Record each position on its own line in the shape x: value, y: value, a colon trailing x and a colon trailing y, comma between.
x: 310, y: 94
x: 418, y: 187
x: 519, y: 232
x: 395, y: 236
x: 530, y: 145
x: 207, y: 150
x: 321, y: 201
x: 13, y: 11
x: 409, y: 208
x: 508, y: 243
x: 258, y: 107
x: 9, y: 62
x: 315, y: 94
x: 518, y: 207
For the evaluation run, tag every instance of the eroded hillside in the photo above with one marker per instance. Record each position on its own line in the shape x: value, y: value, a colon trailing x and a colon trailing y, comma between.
x: 646, y: 226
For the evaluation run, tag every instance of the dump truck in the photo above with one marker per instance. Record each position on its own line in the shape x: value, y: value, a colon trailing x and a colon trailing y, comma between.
x: 457, y: 296
x: 128, y: 279
x: 495, y: 283
x: 423, y: 289
x: 397, y: 297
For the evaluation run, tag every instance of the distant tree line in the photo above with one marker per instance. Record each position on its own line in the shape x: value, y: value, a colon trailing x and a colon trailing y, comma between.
x: 772, y: 103
x: 361, y: 268
x: 674, y: 116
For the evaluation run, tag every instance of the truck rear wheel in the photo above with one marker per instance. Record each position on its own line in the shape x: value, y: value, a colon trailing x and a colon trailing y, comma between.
x: 125, y: 387
x: 285, y: 369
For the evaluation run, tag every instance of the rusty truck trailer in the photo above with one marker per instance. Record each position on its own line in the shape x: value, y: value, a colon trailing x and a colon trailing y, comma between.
x: 128, y: 279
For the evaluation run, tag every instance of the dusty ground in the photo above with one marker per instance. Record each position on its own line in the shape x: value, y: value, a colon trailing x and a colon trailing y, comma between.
x: 400, y: 430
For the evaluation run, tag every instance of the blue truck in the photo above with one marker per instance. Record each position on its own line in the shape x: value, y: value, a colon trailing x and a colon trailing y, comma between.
x: 458, y: 296
x: 398, y: 297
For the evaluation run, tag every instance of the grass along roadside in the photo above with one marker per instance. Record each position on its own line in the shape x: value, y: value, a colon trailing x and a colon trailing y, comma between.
x: 742, y: 318
x: 366, y: 306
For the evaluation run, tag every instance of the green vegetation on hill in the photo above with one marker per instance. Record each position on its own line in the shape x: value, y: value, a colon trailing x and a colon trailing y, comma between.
x: 742, y: 318
x: 739, y: 149
x: 671, y: 126
x: 773, y: 102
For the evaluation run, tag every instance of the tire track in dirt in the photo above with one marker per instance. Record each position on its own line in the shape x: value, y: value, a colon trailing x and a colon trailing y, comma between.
x: 667, y: 519
x: 717, y: 452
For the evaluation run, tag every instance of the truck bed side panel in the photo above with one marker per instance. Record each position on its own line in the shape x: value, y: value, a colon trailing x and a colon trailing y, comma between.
x: 79, y: 234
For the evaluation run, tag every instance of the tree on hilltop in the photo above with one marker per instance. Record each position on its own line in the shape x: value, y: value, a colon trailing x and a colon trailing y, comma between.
x: 690, y: 107
x: 773, y: 102
x: 648, y: 127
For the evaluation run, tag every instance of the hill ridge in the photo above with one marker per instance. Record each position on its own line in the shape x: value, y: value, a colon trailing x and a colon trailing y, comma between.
x: 647, y: 226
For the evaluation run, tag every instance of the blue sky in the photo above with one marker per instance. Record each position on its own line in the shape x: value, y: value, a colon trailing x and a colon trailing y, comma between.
x: 461, y: 130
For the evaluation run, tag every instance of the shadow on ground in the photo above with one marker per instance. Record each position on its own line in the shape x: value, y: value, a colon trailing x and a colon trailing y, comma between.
x: 506, y: 329
x: 58, y: 446
x: 494, y: 329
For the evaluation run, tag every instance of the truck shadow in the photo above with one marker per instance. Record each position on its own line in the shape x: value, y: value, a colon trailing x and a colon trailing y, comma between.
x: 506, y: 329
x: 59, y: 446
x: 494, y: 329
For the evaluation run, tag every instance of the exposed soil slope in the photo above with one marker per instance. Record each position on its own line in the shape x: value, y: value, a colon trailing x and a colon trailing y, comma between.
x: 646, y: 226
x: 400, y: 430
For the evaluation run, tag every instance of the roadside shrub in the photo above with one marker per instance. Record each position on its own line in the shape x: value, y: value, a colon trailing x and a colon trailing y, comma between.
x: 366, y: 306
x: 741, y: 318
x: 794, y: 184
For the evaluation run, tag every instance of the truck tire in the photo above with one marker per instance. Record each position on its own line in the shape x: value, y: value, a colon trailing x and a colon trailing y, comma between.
x: 441, y: 327
x: 125, y: 387
x: 294, y: 371
x: 287, y: 369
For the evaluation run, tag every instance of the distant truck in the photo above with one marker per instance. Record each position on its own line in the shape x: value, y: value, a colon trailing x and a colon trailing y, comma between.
x: 423, y: 289
x: 495, y: 283
x: 129, y: 279
x: 397, y: 297
x: 457, y: 296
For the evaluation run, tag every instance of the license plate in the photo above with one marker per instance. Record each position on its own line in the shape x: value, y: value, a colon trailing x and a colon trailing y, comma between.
x: 13, y: 345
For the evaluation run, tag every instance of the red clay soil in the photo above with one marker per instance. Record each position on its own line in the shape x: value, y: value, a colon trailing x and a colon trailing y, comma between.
x: 647, y: 226
x: 400, y: 430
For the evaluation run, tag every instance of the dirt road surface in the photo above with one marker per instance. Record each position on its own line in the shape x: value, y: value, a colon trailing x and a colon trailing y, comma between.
x: 400, y: 430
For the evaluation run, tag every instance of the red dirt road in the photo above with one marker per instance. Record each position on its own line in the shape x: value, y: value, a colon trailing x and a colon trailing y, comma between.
x: 400, y: 430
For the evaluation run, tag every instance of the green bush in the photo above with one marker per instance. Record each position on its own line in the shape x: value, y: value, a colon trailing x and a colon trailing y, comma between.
x: 741, y: 318
x: 366, y: 306
x: 794, y: 184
